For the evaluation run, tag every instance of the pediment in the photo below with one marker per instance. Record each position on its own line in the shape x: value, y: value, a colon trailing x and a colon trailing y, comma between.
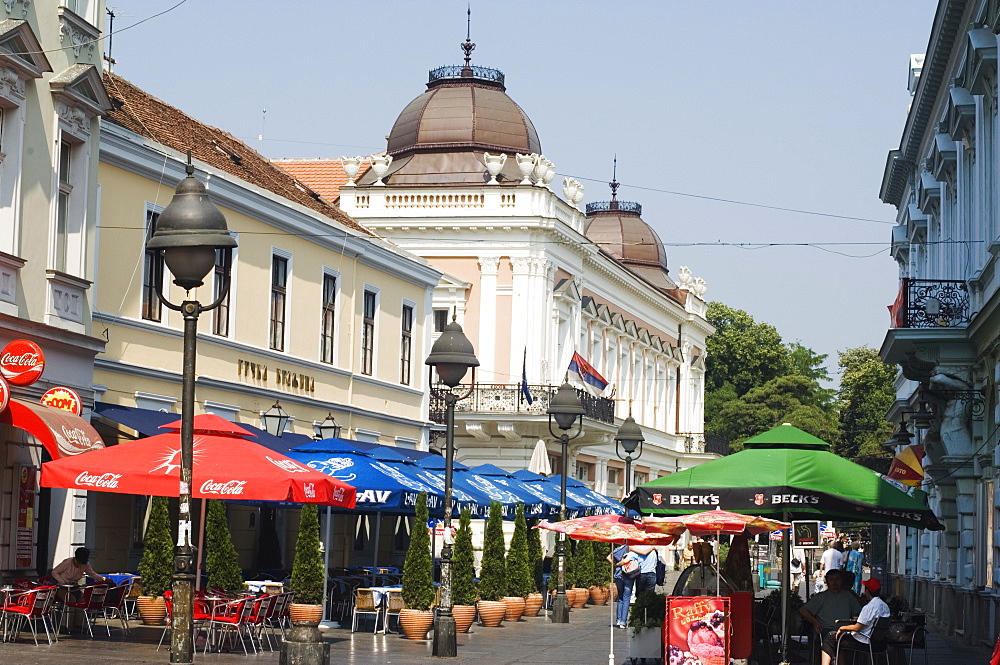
x: 568, y: 289
x: 21, y: 50
x: 81, y: 86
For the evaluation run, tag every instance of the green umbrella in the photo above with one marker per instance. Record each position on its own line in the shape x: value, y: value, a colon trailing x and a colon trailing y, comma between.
x: 788, y: 474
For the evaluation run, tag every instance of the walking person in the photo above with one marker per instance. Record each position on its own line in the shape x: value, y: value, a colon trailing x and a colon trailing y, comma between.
x: 627, y: 567
x: 648, y: 558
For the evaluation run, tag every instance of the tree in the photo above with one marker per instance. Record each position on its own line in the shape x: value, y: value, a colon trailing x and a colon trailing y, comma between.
x: 157, y: 564
x: 463, y: 563
x: 602, y: 567
x: 535, y: 557
x: 519, y: 570
x: 418, y: 582
x: 493, y: 575
x: 806, y: 362
x: 867, y: 391
x: 583, y: 564
x: 307, y: 568
x: 221, y: 560
x: 742, y: 353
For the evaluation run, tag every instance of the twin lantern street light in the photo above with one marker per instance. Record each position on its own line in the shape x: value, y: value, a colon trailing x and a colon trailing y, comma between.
x: 451, y: 355
x: 189, y: 232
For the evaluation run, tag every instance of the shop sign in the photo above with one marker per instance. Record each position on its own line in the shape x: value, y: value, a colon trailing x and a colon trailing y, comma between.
x: 63, y: 398
x: 697, y: 629
x: 24, y: 539
x: 4, y: 394
x: 22, y: 362
x: 806, y: 534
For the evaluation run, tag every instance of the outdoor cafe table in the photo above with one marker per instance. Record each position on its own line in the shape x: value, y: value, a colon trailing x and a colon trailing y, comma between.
x: 381, y: 593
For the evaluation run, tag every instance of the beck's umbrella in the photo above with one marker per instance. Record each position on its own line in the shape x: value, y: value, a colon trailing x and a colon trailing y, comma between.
x: 608, y: 529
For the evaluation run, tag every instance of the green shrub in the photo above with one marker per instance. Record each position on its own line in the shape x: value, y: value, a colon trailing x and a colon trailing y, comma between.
x: 602, y: 567
x: 307, y: 568
x: 418, y: 581
x: 493, y: 575
x: 519, y: 569
x: 535, y: 556
x: 221, y: 560
x: 463, y: 563
x: 157, y: 565
x: 647, y: 611
x: 570, y: 563
x: 583, y: 563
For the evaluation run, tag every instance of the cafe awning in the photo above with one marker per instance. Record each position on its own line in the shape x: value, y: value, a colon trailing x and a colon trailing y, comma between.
x: 62, y: 433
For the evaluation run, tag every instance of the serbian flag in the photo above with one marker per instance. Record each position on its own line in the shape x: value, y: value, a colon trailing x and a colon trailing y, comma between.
x: 907, y: 466
x: 585, y: 373
x: 897, y: 310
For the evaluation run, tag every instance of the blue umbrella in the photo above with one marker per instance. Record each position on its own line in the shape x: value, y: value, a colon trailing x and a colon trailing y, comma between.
x: 461, y: 497
x: 602, y: 505
x: 529, y: 493
x: 577, y: 505
x: 464, y: 479
x: 336, y: 445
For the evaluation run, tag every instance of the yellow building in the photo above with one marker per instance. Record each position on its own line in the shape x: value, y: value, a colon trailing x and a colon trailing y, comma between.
x: 323, y: 316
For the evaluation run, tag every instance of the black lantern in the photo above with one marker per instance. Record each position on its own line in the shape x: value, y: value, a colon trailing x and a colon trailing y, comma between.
x: 329, y: 428
x: 565, y: 407
x: 452, y: 355
x: 629, y: 437
x: 922, y: 418
x: 275, y: 420
x: 901, y: 437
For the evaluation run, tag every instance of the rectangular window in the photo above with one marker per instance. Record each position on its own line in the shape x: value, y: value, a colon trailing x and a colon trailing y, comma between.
x: 613, y: 475
x: 279, y: 284
x: 440, y: 320
x: 368, y: 334
x: 152, y: 274
x: 63, y: 204
x: 407, y: 345
x: 222, y: 272
x: 329, y: 314
x: 582, y: 471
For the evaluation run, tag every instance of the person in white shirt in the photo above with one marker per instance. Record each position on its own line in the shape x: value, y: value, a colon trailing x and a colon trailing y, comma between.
x: 833, y: 557
x: 857, y: 635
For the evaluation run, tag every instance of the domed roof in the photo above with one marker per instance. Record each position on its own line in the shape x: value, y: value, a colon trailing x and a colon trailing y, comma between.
x: 463, y: 109
x: 618, y: 229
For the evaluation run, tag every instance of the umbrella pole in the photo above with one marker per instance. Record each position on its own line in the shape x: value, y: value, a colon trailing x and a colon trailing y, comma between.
x: 718, y: 563
x: 326, y: 623
x: 378, y: 536
x: 614, y: 610
x: 786, y: 583
x: 201, y: 547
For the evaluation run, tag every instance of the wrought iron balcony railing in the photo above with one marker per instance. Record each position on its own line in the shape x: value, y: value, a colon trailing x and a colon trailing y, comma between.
x: 607, y: 206
x: 458, y: 71
x: 507, y: 398
x: 932, y: 303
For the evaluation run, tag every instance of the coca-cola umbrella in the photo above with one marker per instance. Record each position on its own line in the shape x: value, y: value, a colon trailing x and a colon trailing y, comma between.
x: 226, y: 465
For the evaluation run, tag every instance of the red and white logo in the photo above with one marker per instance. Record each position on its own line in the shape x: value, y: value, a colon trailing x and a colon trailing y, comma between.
x: 108, y: 480
x: 657, y: 499
x: 228, y: 487
x: 4, y: 394
x: 309, y: 489
x: 758, y: 499
x: 63, y: 398
x: 22, y: 362
x: 288, y: 465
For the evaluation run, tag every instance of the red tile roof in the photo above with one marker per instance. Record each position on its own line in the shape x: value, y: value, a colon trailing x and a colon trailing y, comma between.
x: 325, y: 176
x: 140, y: 112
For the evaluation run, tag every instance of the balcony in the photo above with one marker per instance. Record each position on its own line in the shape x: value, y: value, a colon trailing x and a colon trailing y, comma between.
x: 931, y: 303
x: 507, y: 399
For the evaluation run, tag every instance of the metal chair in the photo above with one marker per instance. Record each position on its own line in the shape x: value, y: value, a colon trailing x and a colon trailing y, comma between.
x: 90, y: 604
x: 878, y: 643
x: 232, y: 618
x: 114, y: 607
x: 393, y: 604
x: 30, y: 607
x: 364, y: 603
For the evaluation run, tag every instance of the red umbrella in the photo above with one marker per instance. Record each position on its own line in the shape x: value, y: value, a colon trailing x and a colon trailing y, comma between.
x: 225, y: 466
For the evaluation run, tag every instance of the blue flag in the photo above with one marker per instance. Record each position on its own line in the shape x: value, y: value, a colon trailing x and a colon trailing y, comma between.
x: 524, y: 379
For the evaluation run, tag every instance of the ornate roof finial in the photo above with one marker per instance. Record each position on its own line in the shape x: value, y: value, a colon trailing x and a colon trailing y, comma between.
x: 468, y: 46
x: 614, y: 185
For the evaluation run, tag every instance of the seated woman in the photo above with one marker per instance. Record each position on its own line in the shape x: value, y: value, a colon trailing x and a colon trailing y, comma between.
x: 72, y: 570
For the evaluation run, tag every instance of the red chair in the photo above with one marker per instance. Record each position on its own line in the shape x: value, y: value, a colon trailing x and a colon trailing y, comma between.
x: 231, y: 618
x: 90, y: 604
x: 30, y: 607
x: 114, y: 607
x: 278, y: 615
x: 198, y: 618
x: 262, y: 609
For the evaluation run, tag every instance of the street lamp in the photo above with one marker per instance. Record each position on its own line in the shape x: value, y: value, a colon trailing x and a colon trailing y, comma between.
x: 629, y: 437
x: 329, y: 428
x: 275, y: 420
x: 189, y: 231
x: 452, y: 355
x: 566, y: 409
x: 901, y: 437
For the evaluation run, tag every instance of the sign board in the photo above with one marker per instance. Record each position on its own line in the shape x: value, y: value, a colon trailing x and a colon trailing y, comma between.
x: 22, y: 362
x: 697, y: 629
x: 63, y: 398
x: 25, y: 489
x: 807, y: 534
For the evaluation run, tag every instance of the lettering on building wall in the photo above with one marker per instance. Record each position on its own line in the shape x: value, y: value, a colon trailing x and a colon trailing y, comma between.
x: 292, y: 381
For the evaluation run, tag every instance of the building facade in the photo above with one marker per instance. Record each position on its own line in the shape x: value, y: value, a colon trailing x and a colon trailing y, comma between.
x: 945, y: 326
x: 533, y: 278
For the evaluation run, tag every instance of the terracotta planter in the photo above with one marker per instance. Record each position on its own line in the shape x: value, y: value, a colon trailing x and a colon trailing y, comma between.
x: 580, y: 599
x: 491, y: 612
x: 152, y: 610
x: 532, y: 604
x: 515, y: 608
x: 416, y: 623
x: 597, y: 596
x: 304, y: 614
x: 464, y: 616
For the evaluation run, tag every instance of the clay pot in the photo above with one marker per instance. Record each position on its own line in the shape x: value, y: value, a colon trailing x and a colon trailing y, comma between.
x: 416, y: 623
x: 597, y: 596
x: 515, y: 608
x: 580, y: 599
x: 532, y: 604
x: 305, y: 614
x: 152, y: 610
x: 464, y: 616
x: 491, y: 612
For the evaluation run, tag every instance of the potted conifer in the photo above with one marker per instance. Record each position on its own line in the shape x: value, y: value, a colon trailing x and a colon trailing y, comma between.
x: 533, y: 602
x: 583, y: 572
x: 156, y: 568
x: 602, y: 574
x: 519, y: 582
x: 493, y: 574
x: 221, y: 560
x: 463, y: 575
x: 307, y: 571
x: 418, y: 581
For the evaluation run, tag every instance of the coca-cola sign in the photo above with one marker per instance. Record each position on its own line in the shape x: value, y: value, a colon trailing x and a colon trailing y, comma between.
x: 4, y: 394
x: 63, y: 398
x: 22, y: 362
x: 227, y: 487
x: 104, y: 480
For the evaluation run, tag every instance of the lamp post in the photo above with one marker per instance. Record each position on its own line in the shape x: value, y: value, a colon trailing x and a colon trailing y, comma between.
x: 188, y: 231
x: 629, y: 437
x: 452, y: 355
x: 275, y: 420
x: 566, y: 409
x: 329, y: 428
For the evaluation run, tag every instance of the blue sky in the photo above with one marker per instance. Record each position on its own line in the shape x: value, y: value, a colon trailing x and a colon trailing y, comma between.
x: 786, y: 103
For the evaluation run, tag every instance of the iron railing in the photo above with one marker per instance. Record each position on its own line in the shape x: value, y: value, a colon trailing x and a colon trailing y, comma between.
x: 508, y: 398
x: 932, y: 303
x: 456, y: 71
x: 607, y: 206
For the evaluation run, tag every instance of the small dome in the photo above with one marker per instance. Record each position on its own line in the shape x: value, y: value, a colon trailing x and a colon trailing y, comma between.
x: 618, y: 229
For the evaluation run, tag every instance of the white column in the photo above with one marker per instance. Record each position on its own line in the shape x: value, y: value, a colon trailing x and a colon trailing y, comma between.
x: 486, y: 349
x: 523, y: 326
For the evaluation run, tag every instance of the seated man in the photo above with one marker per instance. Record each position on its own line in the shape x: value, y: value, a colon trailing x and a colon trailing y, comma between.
x: 857, y: 635
x: 825, y: 609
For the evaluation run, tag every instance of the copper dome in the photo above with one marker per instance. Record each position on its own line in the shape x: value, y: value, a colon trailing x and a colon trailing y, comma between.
x: 618, y: 229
